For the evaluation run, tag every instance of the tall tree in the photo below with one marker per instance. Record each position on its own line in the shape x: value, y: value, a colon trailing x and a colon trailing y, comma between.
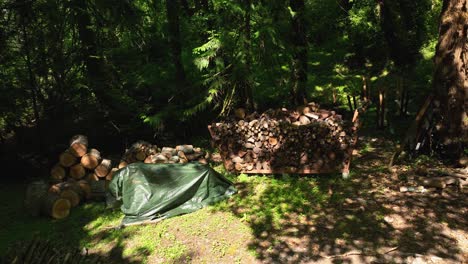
x: 246, y: 93
x: 299, y: 60
x: 451, y: 77
x: 173, y: 10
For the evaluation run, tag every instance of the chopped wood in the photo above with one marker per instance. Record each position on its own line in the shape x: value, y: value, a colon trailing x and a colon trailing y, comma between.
x: 92, y: 177
x: 55, y: 206
x: 57, y: 173
x: 187, y: 149
x: 140, y: 155
x: 91, y: 159
x: 85, y: 188
x: 122, y: 164
x: 77, y: 171
x: 104, y: 168
x: 110, y: 175
x: 308, y: 139
x: 67, y: 159
x: 79, y: 145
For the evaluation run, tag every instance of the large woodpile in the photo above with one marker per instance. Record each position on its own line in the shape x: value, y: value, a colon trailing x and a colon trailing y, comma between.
x: 305, y: 140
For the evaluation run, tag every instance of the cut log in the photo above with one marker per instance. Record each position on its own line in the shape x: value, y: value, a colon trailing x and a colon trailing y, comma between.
x: 194, y: 156
x: 34, y: 194
x: 55, y: 206
x: 79, y: 145
x: 122, y: 164
x: 85, y: 188
x: 91, y: 159
x: 149, y: 159
x: 187, y: 149
x: 77, y: 171
x: 273, y: 141
x: 67, y: 159
x: 57, y: 173
x: 91, y: 177
x: 104, y: 168
x: 72, y: 196
x: 304, y: 120
x: 140, y: 155
x: 98, y: 190
x: 110, y: 175
x: 69, y: 190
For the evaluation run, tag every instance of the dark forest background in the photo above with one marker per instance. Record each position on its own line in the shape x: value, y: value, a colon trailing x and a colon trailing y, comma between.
x: 119, y: 71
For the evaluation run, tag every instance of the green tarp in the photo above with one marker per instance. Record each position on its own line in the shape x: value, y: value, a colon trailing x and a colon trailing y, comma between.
x: 158, y: 191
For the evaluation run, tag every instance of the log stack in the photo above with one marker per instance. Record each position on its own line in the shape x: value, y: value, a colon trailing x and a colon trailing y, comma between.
x: 305, y: 140
x: 80, y: 174
x: 83, y: 174
x: 142, y: 151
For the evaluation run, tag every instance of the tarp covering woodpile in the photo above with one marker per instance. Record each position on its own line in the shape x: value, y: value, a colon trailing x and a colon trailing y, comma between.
x: 158, y: 191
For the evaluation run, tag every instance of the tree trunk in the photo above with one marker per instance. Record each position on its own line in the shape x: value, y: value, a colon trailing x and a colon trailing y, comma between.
x: 450, y: 78
x: 100, y: 80
x: 299, y: 60
x: 172, y: 9
x: 246, y: 94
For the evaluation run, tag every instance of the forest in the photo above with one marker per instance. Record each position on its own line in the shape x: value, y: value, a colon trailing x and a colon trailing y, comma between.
x: 121, y: 71
x: 162, y: 71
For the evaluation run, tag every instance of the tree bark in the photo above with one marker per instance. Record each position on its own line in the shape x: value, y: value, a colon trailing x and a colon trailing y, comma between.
x: 450, y: 78
x: 299, y: 60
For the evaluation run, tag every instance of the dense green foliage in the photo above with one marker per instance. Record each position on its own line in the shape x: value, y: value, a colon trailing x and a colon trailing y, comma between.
x: 134, y: 68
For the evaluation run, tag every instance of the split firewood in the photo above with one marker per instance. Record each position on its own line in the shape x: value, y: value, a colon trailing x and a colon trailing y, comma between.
x: 307, y: 138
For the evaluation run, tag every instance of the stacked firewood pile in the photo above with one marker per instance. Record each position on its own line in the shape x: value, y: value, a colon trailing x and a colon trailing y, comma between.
x: 142, y: 151
x: 305, y: 140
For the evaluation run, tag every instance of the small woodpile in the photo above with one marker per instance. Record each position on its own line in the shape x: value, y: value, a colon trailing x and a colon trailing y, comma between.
x: 305, y: 140
x: 142, y: 151
x: 436, y: 179
x: 81, y: 174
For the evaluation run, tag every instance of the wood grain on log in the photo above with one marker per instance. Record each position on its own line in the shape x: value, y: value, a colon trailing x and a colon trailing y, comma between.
x: 91, y: 159
x: 67, y: 159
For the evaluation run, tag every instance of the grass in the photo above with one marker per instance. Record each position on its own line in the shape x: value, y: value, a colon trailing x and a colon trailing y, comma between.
x: 276, y: 218
x: 222, y: 231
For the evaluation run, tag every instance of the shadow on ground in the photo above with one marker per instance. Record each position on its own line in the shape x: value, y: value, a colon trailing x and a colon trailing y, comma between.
x: 361, y: 220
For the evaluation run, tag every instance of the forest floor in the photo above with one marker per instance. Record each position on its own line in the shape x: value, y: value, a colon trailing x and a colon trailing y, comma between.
x: 281, y: 219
